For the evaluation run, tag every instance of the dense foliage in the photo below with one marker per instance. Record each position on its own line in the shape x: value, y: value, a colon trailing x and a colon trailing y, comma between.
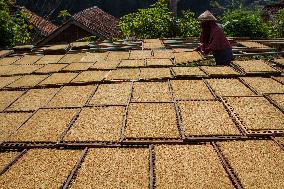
x: 245, y: 23
x: 64, y: 15
x: 188, y: 25
x: 158, y: 22
x: 14, y: 30
x: 154, y: 22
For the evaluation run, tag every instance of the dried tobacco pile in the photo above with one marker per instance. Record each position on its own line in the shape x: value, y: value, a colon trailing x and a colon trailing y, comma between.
x: 45, y: 126
x: 33, y: 99
x: 257, y: 163
x: 251, y: 44
x: 151, y: 92
x: 257, y: 113
x: 163, y: 54
x: 229, y: 87
x: 264, y: 85
x: 151, y: 120
x: 97, y: 124
x: 189, y: 166
x: 191, y: 89
x: 206, y: 118
x: 187, y: 57
x: 112, y: 94
x: 28, y: 81
x: 70, y: 58
x: 5, y: 70
x: 72, y: 96
x: 39, y: 168
x: 114, y: 168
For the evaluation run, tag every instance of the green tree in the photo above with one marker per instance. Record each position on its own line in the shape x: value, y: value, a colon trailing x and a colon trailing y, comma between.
x: 154, y: 22
x: 14, y: 30
x: 244, y: 23
x: 188, y: 25
x: 64, y: 15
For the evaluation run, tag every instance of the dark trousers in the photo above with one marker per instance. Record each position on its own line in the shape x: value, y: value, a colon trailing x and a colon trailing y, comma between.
x: 223, y: 57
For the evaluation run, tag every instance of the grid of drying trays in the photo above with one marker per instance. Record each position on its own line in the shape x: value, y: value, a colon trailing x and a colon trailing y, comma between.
x: 167, y: 89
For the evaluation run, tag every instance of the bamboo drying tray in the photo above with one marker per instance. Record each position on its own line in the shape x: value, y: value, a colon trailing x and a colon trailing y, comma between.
x: 59, y: 79
x: 28, y: 59
x: 50, y: 68
x: 114, y: 168
x: 70, y: 58
x: 201, y: 118
x: 10, y: 122
x: 189, y: 166
x: 49, y: 59
x: 27, y: 81
x: 264, y: 85
x: 33, y: 99
x: 229, y: 87
x: 106, y: 65
x: 78, y: 67
x: 279, y: 99
x: 116, y: 56
x: 45, y: 125
x: 24, y: 69
x: 132, y: 63
x: 168, y: 54
x: 72, y: 96
x: 8, y: 97
x: 220, y: 71
x: 151, y: 92
x: 97, y: 124
x: 6, y: 69
x: 112, y: 94
x: 258, y: 164
x: 256, y: 113
x: 9, y: 60
x: 187, y: 57
x: 155, y: 73
x: 124, y: 74
x: 191, y: 90
x: 90, y: 77
x: 188, y: 72
x: 255, y: 66
x: 4, y: 81
x: 139, y: 54
x: 159, y: 62
x: 151, y: 120
x: 41, y: 169
x: 93, y: 57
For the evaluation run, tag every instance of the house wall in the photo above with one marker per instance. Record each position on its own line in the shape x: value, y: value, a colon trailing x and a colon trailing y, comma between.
x: 69, y: 35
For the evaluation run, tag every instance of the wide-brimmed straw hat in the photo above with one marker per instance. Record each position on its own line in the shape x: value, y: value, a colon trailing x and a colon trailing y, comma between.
x: 207, y: 16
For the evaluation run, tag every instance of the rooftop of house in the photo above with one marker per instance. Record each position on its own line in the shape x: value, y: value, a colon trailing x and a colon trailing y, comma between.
x: 152, y: 118
x: 44, y: 26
